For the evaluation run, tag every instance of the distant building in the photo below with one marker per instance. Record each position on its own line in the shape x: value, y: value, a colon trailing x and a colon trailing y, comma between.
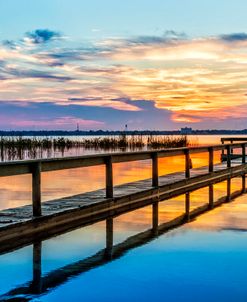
x: 186, y: 131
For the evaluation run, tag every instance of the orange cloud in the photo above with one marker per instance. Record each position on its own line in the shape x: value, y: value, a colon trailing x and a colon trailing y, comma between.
x: 195, y: 79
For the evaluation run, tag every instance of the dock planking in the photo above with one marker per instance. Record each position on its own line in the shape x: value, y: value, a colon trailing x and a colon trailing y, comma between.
x: 20, y: 222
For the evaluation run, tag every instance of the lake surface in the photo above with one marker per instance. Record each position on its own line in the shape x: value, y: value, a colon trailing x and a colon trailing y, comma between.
x: 203, y: 260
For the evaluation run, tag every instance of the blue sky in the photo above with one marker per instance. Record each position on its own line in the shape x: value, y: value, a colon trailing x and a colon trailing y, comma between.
x: 78, y: 18
x: 185, y: 57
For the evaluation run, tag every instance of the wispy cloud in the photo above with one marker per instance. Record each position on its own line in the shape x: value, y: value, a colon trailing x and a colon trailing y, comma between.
x: 195, y: 79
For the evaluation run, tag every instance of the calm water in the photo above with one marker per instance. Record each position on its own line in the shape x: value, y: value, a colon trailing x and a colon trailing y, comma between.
x: 200, y: 261
x: 203, y: 260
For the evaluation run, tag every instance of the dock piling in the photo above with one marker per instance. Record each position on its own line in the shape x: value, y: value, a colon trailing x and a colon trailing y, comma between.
x: 109, y: 237
x: 36, y: 189
x: 211, y: 196
x: 187, y: 206
x: 211, y: 159
x: 228, y: 189
x: 228, y: 148
x: 37, y: 269
x: 155, y: 170
x: 109, y: 178
x: 187, y: 163
x: 155, y: 217
x: 243, y: 153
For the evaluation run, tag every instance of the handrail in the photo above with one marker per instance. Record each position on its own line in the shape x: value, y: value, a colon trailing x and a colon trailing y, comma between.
x: 61, y: 163
x: 37, y: 166
x: 233, y: 139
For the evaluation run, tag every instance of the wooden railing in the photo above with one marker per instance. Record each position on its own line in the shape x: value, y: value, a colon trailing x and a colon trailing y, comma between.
x: 36, y: 167
x: 233, y: 139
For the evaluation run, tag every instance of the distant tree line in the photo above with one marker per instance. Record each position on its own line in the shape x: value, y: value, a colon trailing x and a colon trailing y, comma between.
x: 108, y: 132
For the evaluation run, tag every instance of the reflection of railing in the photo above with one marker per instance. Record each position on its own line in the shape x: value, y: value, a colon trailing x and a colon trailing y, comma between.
x: 42, y: 284
x: 230, y: 140
x: 35, y: 167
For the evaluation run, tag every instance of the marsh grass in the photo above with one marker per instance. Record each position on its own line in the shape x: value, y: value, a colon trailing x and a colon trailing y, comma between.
x: 155, y: 142
x: 16, y: 148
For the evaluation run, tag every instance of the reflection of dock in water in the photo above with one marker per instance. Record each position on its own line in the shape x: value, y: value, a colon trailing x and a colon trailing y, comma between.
x: 42, y: 284
x: 21, y: 225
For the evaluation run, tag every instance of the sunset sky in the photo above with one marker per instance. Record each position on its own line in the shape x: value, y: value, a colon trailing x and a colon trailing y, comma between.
x: 103, y: 64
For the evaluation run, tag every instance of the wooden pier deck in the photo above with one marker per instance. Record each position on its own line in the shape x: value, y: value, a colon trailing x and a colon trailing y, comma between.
x: 23, y: 223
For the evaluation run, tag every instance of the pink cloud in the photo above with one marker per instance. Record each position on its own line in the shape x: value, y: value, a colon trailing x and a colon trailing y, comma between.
x: 65, y: 122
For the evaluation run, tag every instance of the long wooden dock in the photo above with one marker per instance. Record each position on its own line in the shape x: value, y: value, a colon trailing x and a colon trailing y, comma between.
x: 22, y: 224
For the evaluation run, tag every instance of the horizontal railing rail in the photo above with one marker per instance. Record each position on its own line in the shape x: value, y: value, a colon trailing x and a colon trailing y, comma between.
x: 37, y: 166
x: 12, y: 168
x: 233, y: 139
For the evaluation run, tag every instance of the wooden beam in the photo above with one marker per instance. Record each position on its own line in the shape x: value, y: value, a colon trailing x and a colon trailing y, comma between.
x: 228, y: 149
x: 155, y: 217
x: 109, y: 237
x: 109, y: 177
x: 243, y: 183
x: 211, y: 160
x: 187, y: 163
x: 36, y: 189
x: 155, y: 170
x: 228, y: 189
x: 187, y: 206
x: 243, y: 153
x: 211, y: 196
x: 37, y: 268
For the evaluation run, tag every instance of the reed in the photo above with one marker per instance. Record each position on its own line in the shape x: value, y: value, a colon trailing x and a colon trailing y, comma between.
x: 121, y: 142
x: 167, y: 142
x: 21, y: 148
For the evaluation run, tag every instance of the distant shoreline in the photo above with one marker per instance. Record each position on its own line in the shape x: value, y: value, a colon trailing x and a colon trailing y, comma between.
x: 105, y: 132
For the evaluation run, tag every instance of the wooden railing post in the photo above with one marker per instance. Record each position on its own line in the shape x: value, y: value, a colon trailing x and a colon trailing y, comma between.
x: 211, y: 196
x: 243, y: 153
x: 109, y: 177
x: 187, y: 163
x: 155, y: 170
x: 109, y: 237
x: 228, y: 190
x: 223, y: 150
x: 37, y: 267
x: 36, y: 189
x: 228, y: 148
x: 231, y: 148
x: 155, y: 218
x: 187, y: 206
x: 243, y: 183
x: 243, y: 162
x: 211, y: 159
